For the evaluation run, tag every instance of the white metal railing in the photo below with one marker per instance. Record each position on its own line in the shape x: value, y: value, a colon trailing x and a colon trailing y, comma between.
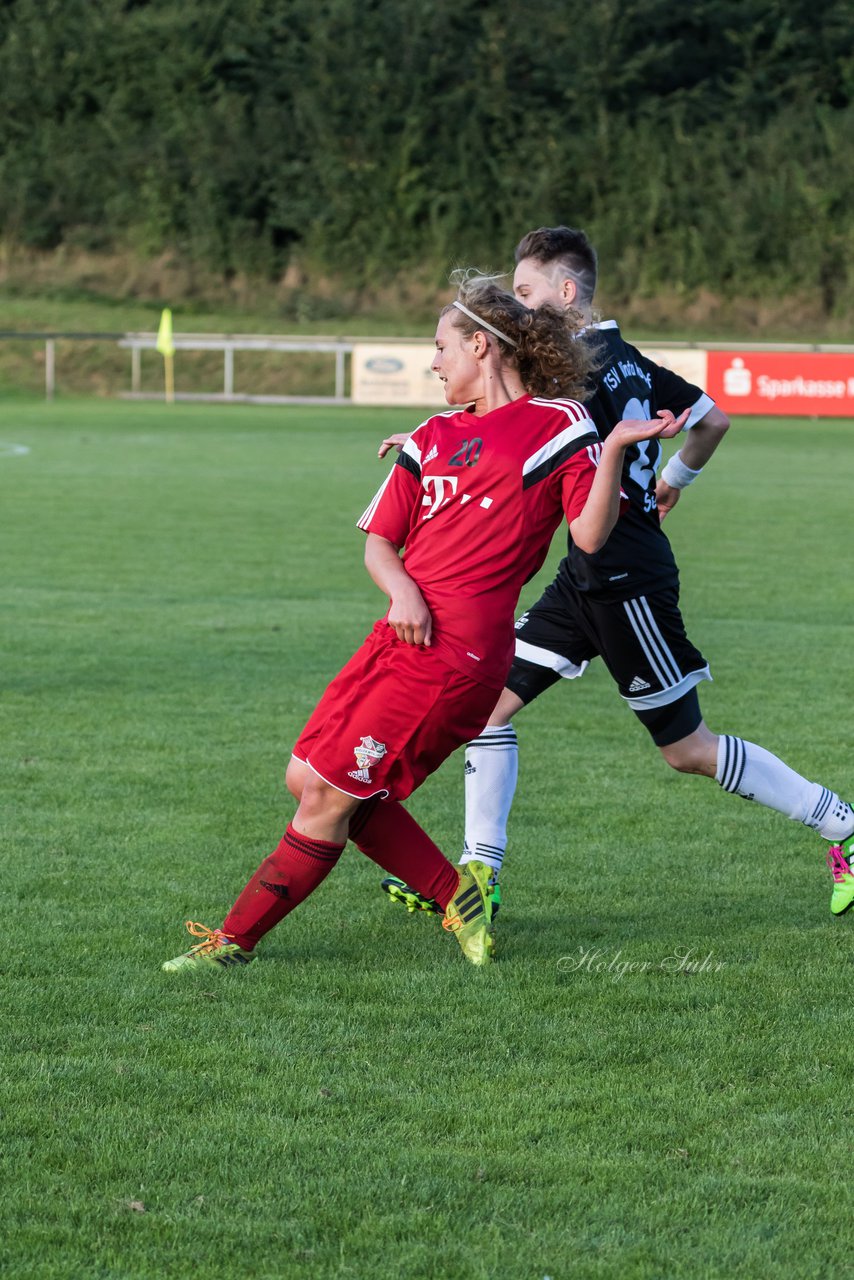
x: 136, y: 343
x: 228, y: 344
x: 341, y: 348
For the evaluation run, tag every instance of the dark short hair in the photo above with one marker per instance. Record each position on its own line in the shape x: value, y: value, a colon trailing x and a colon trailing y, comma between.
x: 566, y: 246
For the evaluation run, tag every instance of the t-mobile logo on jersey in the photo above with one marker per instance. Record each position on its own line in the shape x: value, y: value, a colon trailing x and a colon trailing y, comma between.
x: 439, y: 492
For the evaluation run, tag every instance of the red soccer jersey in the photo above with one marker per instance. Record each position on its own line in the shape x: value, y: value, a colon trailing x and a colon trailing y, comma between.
x: 474, y: 502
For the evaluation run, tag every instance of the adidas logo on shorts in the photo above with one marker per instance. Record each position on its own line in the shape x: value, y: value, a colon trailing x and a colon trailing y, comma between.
x: 638, y: 685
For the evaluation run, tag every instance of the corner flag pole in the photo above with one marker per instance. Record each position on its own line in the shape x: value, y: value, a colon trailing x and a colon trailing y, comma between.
x: 166, y: 347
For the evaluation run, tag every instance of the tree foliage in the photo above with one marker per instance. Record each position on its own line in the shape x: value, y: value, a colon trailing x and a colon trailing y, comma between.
x: 702, y: 145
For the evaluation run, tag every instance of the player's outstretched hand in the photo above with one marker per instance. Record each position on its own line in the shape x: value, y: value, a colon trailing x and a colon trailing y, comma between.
x: 661, y: 427
x: 393, y: 442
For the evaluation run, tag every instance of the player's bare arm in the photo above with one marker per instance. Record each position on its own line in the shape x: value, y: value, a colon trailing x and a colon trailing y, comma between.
x: 408, y: 615
x: 699, y: 445
x: 590, y: 530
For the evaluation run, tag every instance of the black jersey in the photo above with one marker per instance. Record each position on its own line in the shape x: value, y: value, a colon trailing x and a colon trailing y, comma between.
x: 637, y: 557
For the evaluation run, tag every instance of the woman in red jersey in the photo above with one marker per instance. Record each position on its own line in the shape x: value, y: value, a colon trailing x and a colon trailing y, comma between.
x: 472, y: 501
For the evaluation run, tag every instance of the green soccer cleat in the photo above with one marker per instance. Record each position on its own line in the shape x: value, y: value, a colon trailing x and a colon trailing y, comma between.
x: 213, y: 954
x: 400, y: 891
x: 469, y: 914
x: 839, y: 860
x: 410, y: 898
x: 496, y: 894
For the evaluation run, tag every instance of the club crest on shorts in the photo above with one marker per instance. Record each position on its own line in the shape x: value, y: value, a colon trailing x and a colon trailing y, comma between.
x: 369, y: 752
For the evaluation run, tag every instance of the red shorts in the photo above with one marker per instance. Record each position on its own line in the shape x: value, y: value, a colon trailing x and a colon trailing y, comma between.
x: 390, y: 717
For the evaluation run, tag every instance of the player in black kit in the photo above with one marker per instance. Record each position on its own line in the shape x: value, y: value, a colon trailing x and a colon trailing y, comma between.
x: 622, y: 604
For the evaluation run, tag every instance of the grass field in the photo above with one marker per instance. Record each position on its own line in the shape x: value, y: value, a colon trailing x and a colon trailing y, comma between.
x: 177, y: 587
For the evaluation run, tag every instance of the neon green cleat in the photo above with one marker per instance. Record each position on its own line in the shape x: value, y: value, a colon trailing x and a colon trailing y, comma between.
x: 469, y: 914
x: 839, y: 860
x: 496, y: 894
x: 213, y: 954
x: 400, y: 891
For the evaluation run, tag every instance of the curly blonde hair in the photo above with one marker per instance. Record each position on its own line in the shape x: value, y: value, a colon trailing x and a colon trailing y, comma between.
x: 550, y: 353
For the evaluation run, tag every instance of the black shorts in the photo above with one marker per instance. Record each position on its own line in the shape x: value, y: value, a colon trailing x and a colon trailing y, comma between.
x: 642, y: 642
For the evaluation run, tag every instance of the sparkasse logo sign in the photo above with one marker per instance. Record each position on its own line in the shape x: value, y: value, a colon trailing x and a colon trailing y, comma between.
x: 814, y: 383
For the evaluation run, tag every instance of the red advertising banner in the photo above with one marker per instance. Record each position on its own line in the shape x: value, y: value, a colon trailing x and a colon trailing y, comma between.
x: 809, y: 383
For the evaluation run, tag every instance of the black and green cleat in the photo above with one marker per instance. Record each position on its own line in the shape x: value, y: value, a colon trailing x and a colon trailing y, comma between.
x: 400, y: 891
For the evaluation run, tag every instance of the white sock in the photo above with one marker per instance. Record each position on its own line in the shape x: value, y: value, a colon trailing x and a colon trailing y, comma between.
x: 492, y: 767
x: 754, y: 774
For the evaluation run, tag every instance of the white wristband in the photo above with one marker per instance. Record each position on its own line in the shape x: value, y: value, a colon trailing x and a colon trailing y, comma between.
x: 677, y: 475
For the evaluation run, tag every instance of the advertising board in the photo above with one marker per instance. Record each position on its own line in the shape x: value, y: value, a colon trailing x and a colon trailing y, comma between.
x: 795, y: 383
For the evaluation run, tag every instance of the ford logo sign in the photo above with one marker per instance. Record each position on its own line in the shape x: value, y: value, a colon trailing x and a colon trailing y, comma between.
x: 384, y: 364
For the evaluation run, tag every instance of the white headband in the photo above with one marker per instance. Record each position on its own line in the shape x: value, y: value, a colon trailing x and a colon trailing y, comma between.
x: 484, y: 324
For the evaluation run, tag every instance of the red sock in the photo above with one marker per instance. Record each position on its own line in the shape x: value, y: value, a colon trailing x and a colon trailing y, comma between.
x: 293, y: 870
x: 389, y: 834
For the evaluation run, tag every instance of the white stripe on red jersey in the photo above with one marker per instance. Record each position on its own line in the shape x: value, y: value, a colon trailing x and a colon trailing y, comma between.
x: 572, y: 408
x: 582, y: 426
x: 411, y: 449
x: 365, y: 518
